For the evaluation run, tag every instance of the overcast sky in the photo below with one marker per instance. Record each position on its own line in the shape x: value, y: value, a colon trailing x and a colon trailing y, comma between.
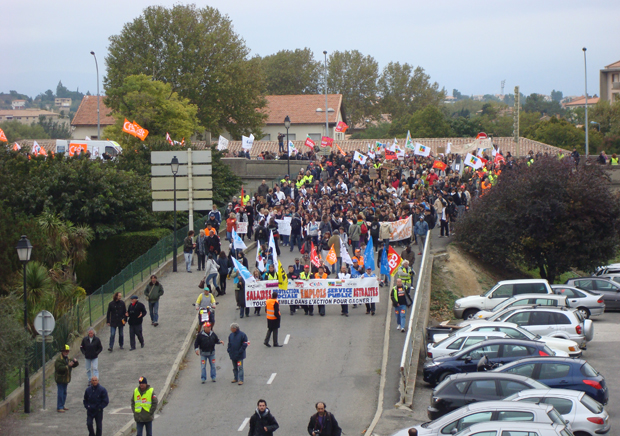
x: 468, y: 45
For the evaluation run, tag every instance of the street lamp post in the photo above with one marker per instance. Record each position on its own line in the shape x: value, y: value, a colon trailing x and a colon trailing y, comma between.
x: 174, y: 166
x: 326, y: 113
x: 287, y: 124
x: 98, y: 98
x: 585, y: 67
x: 24, y: 250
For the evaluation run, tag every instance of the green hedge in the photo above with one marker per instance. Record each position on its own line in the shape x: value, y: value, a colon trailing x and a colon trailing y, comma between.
x: 107, y: 257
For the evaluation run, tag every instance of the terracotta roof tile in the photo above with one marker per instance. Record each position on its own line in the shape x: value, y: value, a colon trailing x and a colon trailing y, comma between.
x: 302, y: 109
x: 86, y: 114
x: 581, y: 101
x: 614, y: 65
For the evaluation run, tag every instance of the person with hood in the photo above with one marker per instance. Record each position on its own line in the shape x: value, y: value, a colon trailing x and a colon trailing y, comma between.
x: 116, y: 319
x: 212, y: 244
x: 204, y: 345
x: 144, y: 405
x: 237, y: 344
x: 262, y: 423
x: 90, y: 348
x: 154, y: 290
x: 135, y: 314
x: 62, y: 376
x: 95, y: 400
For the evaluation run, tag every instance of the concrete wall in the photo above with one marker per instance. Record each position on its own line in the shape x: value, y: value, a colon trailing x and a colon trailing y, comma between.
x: 253, y: 172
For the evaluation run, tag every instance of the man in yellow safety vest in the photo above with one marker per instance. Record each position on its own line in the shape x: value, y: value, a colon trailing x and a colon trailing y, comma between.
x: 143, y: 404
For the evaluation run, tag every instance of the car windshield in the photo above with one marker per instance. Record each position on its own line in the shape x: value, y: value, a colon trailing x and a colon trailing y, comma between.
x: 506, y: 314
x: 588, y: 371
x: 556, y: 417
x: 591, y: 404
x: 503, y: 304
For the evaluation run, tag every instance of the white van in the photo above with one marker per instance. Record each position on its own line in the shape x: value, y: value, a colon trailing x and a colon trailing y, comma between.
x: 95, y: 148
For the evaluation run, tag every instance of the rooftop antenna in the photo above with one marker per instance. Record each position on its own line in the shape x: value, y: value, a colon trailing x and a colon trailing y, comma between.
x: 503, y: 83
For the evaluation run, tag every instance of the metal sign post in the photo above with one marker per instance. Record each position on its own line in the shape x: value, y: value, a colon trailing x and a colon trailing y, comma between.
x: 44, y: 324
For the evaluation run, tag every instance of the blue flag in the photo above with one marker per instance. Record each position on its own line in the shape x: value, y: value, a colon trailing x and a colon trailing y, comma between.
x: 238, y: 243
x: 243, y: 271
x: 369, y: 256
x: 385, y: 266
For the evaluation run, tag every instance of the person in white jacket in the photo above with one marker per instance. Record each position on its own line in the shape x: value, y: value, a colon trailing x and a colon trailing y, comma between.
x: 211, y: 270
x: 343, y: 275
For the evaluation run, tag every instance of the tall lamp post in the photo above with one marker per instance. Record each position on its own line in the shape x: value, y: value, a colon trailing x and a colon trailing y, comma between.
x: 585, y: 68
x: 326, y: 113
x: 287, y: 124
x: 98, y: 98
x: 24, y: 250
x: 174, y: 166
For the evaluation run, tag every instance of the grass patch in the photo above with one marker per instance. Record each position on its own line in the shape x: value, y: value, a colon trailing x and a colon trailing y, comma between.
x: 442, y: 298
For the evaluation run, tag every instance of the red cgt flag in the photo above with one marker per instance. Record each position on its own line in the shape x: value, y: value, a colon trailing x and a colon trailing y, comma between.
x: 341, y: 127
x: 326, y: 141
x: 440, y: 165
x: 314, y: 257
x: 309, y: 143
x: 3, y: 136
x: 389, y: 155
x: 394, y: 260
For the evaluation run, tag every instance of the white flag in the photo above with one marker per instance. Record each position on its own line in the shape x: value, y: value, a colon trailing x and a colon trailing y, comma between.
x: 222, y: 143
x: 409, y: 142
x: 480, y: 152
x: 272, y: 245
x: 495, y: 151
x: 392, y: 147
x: 372, y: 155
x: 246, y: 143
x: 422, y: 150
x: 359, y: 157
x: 448, y: 148
x: 292, y: 151
x: 87, y: 138
x: 260, y: 260
x: 473, y: 161
x: 36, y: 148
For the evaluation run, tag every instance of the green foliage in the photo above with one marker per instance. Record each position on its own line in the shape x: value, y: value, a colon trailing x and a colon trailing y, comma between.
x: 54, y: 129
x: 556, y: 96
x: 563, y: 134
x: 463, y: 127
x: 16, y: 131
x: 608, y: 115
x: 14, y: 341
x: 226, y: 184
x: 429, y: 122
x: 292, y: 72
x: 381, y: 130
x: 153, y: 105
x: 537, y: 103
x: 354, y: 75
x: 550, y: 215
x: 197, y: 52
x: 107, y: 257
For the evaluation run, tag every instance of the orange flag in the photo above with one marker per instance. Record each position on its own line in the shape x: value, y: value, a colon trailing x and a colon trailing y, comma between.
x: 16, y: 147
x: 331, y: 256
x: 341, y: 127
x: 134, y: 129
x: 340, y: 149
x: 3, y: 136
x: 242, y: 194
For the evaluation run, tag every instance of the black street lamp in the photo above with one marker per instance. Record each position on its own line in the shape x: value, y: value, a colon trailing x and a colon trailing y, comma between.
x: 24, y: 250
x: 174, y: 166
x: 287, y: 124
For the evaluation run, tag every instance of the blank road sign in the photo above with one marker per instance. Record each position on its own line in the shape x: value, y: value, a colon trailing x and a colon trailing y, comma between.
x: 167, y: 206
x: 167, y: 183
x: 197, y: 170
x: 181, y: 195
x: 44, y: 323
x: 165, y: 157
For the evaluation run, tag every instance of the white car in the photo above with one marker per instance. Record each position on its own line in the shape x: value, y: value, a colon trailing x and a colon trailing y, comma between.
x: 456, y: 343
x: 516, y: 428
x: 466, y: 307
x: 514, y: 331
x: 585, y: 415
x: 523, y: 300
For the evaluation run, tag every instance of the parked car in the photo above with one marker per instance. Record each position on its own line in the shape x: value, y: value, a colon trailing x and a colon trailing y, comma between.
x: 487, y: 411
x: 561, y: 373
x: 558, y: 322
x: 614, y: 268
x: 515, y: 428
x: 609, y: 289
x: 455, y: 343
x: 514, y: 331
x: 497, y: 351
x: 586, y: 416
x: 524, y: 300
x: 588, y: 303
x: 462, y: 389
x: 466, y: 307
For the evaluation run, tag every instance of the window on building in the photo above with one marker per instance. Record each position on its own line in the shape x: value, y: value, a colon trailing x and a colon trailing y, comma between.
x: 266, y: 137
x: 316, y: 137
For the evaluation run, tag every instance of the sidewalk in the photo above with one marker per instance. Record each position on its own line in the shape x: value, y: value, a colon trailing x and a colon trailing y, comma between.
x: 119, y: 371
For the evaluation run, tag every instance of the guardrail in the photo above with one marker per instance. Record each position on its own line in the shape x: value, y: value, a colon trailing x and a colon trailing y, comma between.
x: 419, y: 312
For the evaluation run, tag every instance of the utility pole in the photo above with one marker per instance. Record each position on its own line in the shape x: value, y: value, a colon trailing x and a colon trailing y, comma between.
x: 585, y: 68
x: 503, y: 83
x: 326, y: 111
x: 516, y: 120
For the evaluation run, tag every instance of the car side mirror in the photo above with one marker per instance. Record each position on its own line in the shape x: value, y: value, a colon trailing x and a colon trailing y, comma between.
x: 467, y: 359
x: 454, y: 431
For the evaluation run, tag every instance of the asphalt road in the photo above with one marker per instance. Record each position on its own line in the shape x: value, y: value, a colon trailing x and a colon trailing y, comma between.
x: 333, y: 359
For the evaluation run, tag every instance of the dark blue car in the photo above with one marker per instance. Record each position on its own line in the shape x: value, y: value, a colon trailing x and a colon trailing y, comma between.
x: 562, y: 373
x: 497, y: 351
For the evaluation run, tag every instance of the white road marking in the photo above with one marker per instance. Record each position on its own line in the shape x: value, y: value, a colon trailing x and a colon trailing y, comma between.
x: 36, y: 424
x: 243, y: 424
x: 52, y: 426
x: 271, y: 378
x: 286, y: 339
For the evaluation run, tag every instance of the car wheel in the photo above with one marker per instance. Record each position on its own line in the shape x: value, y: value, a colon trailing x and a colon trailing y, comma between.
x: 584, y: 311
x: 443, y: 376
x: 469, y: 313
x: 580, y: 433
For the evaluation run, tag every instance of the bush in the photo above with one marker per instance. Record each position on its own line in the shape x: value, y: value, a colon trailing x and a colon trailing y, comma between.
x: 107, y: 257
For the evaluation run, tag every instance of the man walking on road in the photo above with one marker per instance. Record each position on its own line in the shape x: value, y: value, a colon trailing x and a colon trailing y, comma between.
x: 272, y: 309
x: 421, y: 229
x: 400, y: 300
x: 370, y: 307
x: 116, y: 319
x: 204, y: 345
x: 144, y: 405
x: 237, y: 343
x: 135, y: 313
x: 262, y: 423
x: 153, y: 292
x: 95, y: 400
x: 323, y: 422
x: 62, y: 375
x: 90, y: 348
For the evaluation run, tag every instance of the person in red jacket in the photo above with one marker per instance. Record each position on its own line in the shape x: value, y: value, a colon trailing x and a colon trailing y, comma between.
x: 231, y: 224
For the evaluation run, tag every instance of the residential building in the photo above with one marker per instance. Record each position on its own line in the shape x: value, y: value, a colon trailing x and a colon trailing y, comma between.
x: 580, y: 102
x: 29, y: 116
x: 62, y: 102
x: 84, y: 122
x: 18, y: 104
x: 610, y: 82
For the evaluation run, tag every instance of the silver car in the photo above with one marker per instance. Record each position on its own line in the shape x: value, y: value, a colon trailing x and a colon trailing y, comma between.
x: 507, y: 428
x: 455, y: 343
x: 585, y: 415
x: 586, y: 302
x: 523, y: 300
x: 487, y: 411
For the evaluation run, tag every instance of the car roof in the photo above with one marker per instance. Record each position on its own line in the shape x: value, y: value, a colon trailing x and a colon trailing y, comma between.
x: 524, y: 296
x: 539, y: 307
x: 485, y: 405
x: 571, y: 286
x: 546, y: 359
x: 488, y: 374
x: 519, y: 281
x: 510, y: 341
x: 550, y: 392
x: 589, y: 278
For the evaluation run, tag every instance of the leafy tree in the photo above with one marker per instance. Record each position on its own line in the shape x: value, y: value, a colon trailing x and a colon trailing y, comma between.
x: 430, y: 122
x: 456, y: 94
x: 154, y: 106
x: 197, y: 52
x: 354, y: 75
x: 537, y: 103
x: 14, y: 341
x: 405, y: 90
x: 608, y: 115
x: 550, y: 216
x: 556, y: 96
x: 292, y: 72
x: 561, y: 133
x: 16, y: 131
x: 463, y: 127
x: 381, y: 130
x: 54, y: 129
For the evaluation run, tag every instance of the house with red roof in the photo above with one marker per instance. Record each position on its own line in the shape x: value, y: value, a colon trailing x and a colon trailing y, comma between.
x: 84, y: 122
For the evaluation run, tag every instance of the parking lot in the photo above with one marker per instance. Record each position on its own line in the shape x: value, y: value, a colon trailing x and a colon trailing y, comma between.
x: 602, y: 354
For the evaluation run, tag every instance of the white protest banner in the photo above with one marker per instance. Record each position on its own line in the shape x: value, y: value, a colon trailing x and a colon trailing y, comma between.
x: 317, y: 291
x: 222, y: 143
x: 284, y: 226
x: 401, y: 229
x: 246, y: 143
x: 242, y: 227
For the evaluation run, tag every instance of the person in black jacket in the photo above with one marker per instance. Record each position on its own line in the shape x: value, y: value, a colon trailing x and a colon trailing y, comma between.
x: 116, y: 319
x: 222, y: 267
x: 323, y: 422
x: 135, y: 314
x: 90, y: 348
x: 204, y: 345
x: 262, y: 423
x: 95, y: 400
x: 240, y: 297
x: 237, y: 343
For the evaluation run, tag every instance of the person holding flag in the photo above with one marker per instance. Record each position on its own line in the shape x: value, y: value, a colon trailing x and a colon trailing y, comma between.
x: 400, y: 300
x: 282, y: 278
x: 384, y: 267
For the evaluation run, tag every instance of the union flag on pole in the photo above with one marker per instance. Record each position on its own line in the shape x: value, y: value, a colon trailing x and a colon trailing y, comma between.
x: 389, y: 155
x: 3, y: 136
x: 341, y: 127
x: 169, y: 139
x: 331, y: 256
x: 309, y: 143
x: 314, y: 257
x: 135, y: 130
x: 326, y: 141
x: 440, y: 165
x: 394, y: 260
x: 340, y: 150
